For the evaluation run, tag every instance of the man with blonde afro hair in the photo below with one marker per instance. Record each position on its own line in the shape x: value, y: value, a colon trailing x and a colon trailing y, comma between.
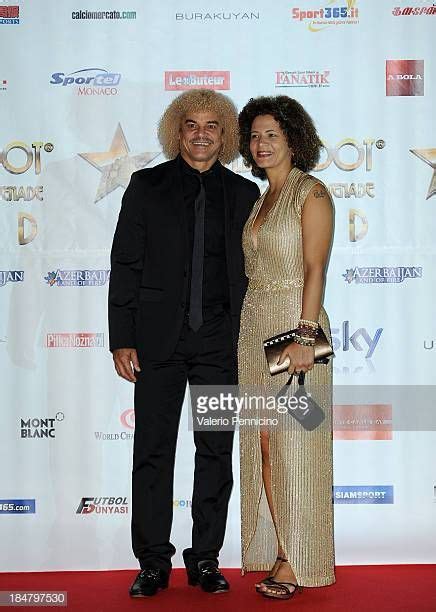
x: 176, y: 290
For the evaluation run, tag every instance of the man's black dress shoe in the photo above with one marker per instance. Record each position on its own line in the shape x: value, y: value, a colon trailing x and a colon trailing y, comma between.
x: 208, y: 576
x: 148, y: 582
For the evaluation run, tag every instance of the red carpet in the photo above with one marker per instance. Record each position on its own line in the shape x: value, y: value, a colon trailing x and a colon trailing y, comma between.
x: 375, y: 588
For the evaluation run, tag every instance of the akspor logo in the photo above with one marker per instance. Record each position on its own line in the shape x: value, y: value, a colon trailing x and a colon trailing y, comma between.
x: 9, y: 14
x: 177, y: 80
x: 318, y: 19
x: 103, y: 505
x: 383, y: 274
x: 89, y: 81
x: 17, y: 506
x: 40, y: 427
x: 77, y: 278
x: 404, y: 77
x: 374, y: 494
x: 343, y: 340
x: 11, y: 276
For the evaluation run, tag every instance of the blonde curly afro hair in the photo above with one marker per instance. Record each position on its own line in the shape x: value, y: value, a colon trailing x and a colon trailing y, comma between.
x: 197, y: 101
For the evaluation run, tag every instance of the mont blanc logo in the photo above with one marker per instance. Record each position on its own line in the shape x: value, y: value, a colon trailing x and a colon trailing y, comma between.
x: 404, y: 77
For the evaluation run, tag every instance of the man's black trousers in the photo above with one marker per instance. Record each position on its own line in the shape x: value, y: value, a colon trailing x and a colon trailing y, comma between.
x: 204, y: 357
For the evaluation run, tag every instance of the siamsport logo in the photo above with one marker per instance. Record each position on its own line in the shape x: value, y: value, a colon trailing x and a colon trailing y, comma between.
x: 373, y: 494
x: 37, y: 427
x: 75, y: 340
x: 362, y: 421
x: 336, y: 13
x: 302, y: 78
x: 89, y: 81
x: 77, y: 278
x: 176, y: 80
x: 382, y: 274
x: 103, y: 505
x: 11, y: 276
x: 9, y: 14
x: 414, y: 10
x: 404, y: 77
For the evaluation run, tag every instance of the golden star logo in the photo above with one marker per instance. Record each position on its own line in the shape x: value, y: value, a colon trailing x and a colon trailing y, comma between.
x: 116, y: 165
x: 429, y: 157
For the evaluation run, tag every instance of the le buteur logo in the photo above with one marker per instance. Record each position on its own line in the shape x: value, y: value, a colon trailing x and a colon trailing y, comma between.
x: 89, y: 81
x: 178, y: 80
x: 103, y: 505
x: 77, y: 278
x: 381, y: 274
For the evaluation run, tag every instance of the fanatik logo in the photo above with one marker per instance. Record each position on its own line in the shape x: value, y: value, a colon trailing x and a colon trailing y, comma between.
x: 176, y: 80
x: 345, y: 12
x: 382, y: 274
x: 77, y: 278
x: 302, y: 78
x: 11, y: 276
x: 103, y: 505
x: 37, y: 427
x: 404, y: 77
x: 89, y: 81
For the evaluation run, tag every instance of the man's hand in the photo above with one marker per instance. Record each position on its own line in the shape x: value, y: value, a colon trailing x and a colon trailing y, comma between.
x: 126, y: 363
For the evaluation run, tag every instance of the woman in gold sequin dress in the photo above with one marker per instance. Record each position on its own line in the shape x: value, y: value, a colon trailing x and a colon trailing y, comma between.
x: 286, y: 471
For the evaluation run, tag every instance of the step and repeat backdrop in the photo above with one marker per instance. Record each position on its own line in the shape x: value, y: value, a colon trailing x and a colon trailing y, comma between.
x: 82, y: 88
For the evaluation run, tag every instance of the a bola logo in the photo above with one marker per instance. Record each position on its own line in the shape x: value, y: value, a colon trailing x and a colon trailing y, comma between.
x: 32, y: 156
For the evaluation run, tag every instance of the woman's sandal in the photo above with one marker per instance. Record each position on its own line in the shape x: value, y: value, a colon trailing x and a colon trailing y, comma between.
x: 268, y: 579
x: 280, y: 590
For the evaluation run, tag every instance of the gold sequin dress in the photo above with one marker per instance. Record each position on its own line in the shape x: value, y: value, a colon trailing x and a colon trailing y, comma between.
x: 301, y: 461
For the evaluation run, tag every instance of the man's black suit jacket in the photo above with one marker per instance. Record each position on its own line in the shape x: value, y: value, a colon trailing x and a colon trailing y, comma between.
x: 149, y: 271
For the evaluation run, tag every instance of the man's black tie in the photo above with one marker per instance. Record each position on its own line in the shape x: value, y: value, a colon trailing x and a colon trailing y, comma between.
x: 196, y: 297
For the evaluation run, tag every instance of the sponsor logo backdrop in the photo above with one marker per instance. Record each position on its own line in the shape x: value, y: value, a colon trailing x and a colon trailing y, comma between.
x: 77, y: 123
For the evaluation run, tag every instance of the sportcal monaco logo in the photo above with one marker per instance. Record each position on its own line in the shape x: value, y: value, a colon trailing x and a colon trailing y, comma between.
x: 176, y: 80
x: 89, y: 81
x: 77, y: 278
x: 321, y: 18
x: 383, y: 274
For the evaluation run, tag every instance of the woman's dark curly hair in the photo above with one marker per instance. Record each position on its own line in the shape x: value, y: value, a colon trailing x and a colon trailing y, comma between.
x: 295, y: 123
